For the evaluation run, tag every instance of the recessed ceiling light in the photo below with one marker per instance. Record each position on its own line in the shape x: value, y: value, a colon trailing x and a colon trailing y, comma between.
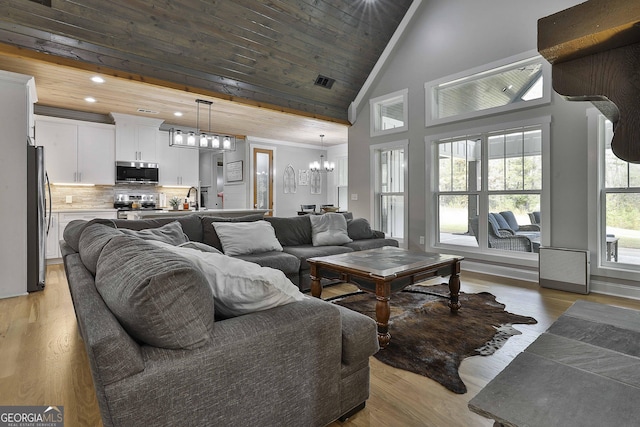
x: 177, y: 114
x: 90, y: 99
x: 97, y: 79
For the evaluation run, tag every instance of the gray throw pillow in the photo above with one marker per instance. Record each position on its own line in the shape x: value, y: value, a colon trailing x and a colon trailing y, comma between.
x: 93, y: 239
x: 240, y: 238
x: 359, y: 228
x: 159, y: 298
x: 329, y: 229
x: 170, y: 233
x: 74, y: 229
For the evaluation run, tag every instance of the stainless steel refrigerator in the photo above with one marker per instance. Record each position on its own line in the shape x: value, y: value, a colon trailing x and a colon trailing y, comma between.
x: 38, y: 217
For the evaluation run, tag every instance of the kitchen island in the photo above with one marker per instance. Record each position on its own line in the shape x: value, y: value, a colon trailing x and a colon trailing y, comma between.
x: 144, y: 214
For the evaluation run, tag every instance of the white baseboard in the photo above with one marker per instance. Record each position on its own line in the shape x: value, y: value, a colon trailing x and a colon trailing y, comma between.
x: 526, y: 275
x: 615, y: 289
x: 596, y: 286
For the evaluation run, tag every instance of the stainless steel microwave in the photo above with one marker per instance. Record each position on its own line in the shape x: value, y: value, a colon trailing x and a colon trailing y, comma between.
x: 136, y: 172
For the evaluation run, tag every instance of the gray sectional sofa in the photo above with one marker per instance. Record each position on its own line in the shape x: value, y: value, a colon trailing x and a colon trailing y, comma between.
x: 293, y: 233
x: 160, y: 354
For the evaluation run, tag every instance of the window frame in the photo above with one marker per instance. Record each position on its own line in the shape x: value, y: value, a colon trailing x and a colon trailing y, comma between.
x: 374, y: 105
x: 597, y: 204
x: 430, y: 101
x: 375, y: 178
x: 481, y: 252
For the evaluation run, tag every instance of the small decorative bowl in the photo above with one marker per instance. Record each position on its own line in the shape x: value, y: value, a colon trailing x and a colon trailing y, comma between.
x: 330, y: 209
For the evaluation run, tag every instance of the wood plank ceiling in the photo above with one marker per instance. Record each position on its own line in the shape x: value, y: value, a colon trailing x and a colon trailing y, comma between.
x: 248, y: 53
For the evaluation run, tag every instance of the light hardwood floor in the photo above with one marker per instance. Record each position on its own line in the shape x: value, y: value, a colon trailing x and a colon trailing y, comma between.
x: 43, y: 362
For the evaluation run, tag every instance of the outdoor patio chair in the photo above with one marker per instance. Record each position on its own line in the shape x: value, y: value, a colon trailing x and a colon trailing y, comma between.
x: 511, y: 220
x: 504, y: 239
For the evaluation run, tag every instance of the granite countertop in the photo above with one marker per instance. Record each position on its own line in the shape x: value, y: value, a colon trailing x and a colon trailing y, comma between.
x: 81, y: 210
x: 140, y: 214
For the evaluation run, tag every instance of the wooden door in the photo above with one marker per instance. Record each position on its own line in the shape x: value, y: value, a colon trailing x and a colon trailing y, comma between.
x: 263, y: 179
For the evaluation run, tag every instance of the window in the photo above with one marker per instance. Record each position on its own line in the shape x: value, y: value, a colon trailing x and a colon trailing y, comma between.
x: 342, y: 182
x: 488, y: 188
x: 390, y: 207
x: 511, y: 84
x: 389, y: 113
x: 620, y: 207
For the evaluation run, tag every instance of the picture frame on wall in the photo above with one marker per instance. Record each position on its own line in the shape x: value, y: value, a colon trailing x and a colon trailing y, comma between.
x: 234, y: 171
x: 303, y: 176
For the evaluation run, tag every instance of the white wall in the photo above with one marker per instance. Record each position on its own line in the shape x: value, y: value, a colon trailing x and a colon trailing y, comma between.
x: 14, y: 122
x: 446, y: 37
x: 298, y: 156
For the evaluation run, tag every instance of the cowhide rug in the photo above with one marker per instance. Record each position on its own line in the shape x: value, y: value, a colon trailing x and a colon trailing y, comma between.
x: 426, y: 338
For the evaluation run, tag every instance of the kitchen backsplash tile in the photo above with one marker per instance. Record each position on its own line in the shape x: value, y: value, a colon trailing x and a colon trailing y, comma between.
x: 101, y: 196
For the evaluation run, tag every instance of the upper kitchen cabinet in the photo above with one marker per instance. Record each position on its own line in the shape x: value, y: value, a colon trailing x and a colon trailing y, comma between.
x: 177, y: 166
x: 77, y: 152
x: 136, y: 137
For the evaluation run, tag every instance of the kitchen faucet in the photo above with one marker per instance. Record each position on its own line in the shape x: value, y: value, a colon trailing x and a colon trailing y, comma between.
x: 189, y: 193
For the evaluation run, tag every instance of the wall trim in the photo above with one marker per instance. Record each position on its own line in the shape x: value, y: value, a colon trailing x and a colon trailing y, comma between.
x: 597, y: 286
x: 517, y: 273
x: 615, y: 289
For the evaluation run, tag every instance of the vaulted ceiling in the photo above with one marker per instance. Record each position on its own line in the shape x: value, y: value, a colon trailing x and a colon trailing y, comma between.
x: 262, y: 56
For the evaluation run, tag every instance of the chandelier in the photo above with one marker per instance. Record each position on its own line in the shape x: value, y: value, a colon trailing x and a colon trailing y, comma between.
x: 327, y: 166
x: 202, y: 139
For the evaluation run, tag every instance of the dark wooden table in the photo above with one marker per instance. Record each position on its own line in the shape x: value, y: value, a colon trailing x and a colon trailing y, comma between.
x: 583, y: 371
x: 384, y: 271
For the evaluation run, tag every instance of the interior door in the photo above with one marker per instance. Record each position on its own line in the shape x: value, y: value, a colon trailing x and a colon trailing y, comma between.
x: 263, y: 179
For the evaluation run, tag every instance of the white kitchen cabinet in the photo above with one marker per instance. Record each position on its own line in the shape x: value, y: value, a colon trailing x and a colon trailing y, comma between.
x: 77, y: 151
x: 177, y: 166
x: 60, y: 142
x: 136, y: 138
x: 96, y: 153
x: 53, y: 241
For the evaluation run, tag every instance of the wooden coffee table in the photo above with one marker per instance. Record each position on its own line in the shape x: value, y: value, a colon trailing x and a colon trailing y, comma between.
x: 384, y: 271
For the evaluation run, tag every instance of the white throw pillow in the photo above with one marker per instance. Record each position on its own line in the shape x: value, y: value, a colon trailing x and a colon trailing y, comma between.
x: 329, y: 229
x: 239, y: 238
x: 239, y: 287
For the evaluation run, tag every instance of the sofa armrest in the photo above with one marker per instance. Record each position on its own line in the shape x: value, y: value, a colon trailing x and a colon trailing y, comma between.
x: 359, y: 336
x: 113, y: 354
x: 232, y: 380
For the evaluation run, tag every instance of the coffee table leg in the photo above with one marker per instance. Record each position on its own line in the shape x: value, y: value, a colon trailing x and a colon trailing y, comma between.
x: 383, y: 311
x: 454, y: 287
x: 316, y: 286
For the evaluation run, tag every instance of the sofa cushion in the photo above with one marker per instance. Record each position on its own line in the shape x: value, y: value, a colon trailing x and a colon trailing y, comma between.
x: 304, y: 252
x: 169, y: 233
x: 159, y: 298
x: 284, y: 262
x: 292, y: 231
x: 329, y: 229
x: 190, y: 225
x: 510, y: 219
x: 240, y: 238
x: 359, y: 228
x: 501, y: 221
x: 209, y: 235
x: 73, y: 230
x: 364, y: 244
x: 92, y: 240
x: 239, y: 287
